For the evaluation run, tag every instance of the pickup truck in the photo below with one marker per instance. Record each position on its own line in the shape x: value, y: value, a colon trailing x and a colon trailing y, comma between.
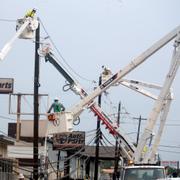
x: 142, y: 172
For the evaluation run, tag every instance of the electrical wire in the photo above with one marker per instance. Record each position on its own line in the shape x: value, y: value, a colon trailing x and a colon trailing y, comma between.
x: 169, y: 146
x: 28, y: 103
x: 51, y: 165
x: 175, y: 152
x: 70, y: 157
x: 107, y: 151
x: 54, y: 44
x: 74, y: 148
x: 4, y: 117
x: 60, y: 54
x: 82, y: 149
x: 72, y: 171
x: 12, y: 163
x: 69, y: 165
x: 107, y: 139
x: 24, y: 142
x: 7, y: 20
x: 69, y: 175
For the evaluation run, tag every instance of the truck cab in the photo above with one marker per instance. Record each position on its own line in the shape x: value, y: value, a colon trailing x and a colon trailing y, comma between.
x: 142, y: 172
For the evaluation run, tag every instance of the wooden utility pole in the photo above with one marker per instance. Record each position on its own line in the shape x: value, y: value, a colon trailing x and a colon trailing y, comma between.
x: 18, y: 122
x: 36, y: 106
x: 98, y: 131
x: 139, y: 127
x: 67, y: 166
x: 58, y: 161
x: 115, y: 175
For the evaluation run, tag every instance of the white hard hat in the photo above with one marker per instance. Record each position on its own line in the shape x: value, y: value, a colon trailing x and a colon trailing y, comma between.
x: 21, y: 176
x: 56, y: 98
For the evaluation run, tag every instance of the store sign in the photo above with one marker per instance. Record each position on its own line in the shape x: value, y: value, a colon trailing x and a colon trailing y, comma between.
x: 75, y: 139
x: 6, y: 85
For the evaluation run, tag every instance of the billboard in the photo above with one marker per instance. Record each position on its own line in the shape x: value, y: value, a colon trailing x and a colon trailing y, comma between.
x: 6, y: 85
x: 75, y: 139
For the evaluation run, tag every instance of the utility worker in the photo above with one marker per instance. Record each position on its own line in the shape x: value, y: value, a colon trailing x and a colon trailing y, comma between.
x: 30, y: 13
x: 56, y: 106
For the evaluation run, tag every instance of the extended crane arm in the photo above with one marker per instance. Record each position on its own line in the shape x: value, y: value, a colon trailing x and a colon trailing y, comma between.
x: 159, y: 104
x: 126, y: 145
x: 138, y: 89
x: 87, y: 100
x: 141, y: 84
x: 151, y: 157
x: 49, y: 58
x: 119, y: 75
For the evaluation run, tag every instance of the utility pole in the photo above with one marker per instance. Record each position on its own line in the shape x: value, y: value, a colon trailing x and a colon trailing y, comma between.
x: 36, y: 106
x: 58, y: 161
x: 18, y: 117
x: 67, y: 166
x: 178, y: 171
x: 139, y: 127
x: 115, y: 175
x: 98, y: 131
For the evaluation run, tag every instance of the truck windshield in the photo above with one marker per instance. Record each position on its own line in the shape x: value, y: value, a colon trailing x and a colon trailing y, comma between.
x: 144, y: 174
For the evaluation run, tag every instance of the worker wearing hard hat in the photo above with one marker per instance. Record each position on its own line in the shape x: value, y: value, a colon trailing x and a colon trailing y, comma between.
x: 56, y: 106
x: 30, y: 13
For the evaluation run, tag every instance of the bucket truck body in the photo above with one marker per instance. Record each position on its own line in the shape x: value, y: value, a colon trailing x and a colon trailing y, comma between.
x: 143, y: 172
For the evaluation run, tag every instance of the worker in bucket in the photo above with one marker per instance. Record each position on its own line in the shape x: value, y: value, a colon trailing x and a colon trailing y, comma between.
x: 56, y: 106
x: 30, y: 13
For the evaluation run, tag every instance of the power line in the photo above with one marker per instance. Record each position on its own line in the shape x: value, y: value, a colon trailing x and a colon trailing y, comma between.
x: 7, y: 20
x: 107, y: 139
x: 66, y: 159
x: 176, y: 152
x: 70, y: 157
x: 169, y: 146
x: 60, y: 54
x: 14, y: 165
x: 90, y: 141
x: 5, y: 117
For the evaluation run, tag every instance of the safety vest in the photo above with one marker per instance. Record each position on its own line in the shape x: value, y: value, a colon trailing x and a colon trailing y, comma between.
x: 57, y: 107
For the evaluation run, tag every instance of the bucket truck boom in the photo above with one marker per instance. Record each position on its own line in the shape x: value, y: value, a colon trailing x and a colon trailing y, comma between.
x: 126, y: 145
x: 78, y: 90
x: 87, y: 100
x: 25, y: 29
x: 163, y: 102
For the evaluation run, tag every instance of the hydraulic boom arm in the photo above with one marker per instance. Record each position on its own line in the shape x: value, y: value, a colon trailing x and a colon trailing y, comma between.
x: 87, y: 100
x: 28, y: 25
x: 126, y: 145
x: 162, y: 103
x: 119, y: 75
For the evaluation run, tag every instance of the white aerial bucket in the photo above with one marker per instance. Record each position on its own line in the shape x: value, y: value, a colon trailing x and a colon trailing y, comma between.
x: 29, y: 32
x: 59, y: 122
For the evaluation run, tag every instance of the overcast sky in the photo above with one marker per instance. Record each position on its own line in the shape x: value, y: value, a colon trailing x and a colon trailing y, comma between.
x: 89, y: 34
